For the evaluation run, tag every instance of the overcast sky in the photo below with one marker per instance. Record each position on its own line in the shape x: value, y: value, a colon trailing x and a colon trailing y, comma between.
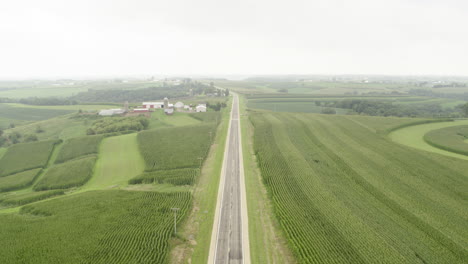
x: 104, y: 38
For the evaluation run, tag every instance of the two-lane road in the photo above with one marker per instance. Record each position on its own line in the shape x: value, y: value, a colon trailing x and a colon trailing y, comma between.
x: 230, y: 241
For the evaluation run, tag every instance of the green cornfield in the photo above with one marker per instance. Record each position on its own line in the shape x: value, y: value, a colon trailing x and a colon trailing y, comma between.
x: 18, y: 180
x: 175, y: 148
x: 175, y: 177
x: 66, y: 175
x: 450, y: 138
x: 21, y: 199
x: 94, y: 227
x: 77, y: 147
x: 344, y: 193
x: 26, y: 156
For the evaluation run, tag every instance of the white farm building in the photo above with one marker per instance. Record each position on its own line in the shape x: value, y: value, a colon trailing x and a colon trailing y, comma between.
x: 153, y: 105
x: 110, y: 112
x: 200, y: 108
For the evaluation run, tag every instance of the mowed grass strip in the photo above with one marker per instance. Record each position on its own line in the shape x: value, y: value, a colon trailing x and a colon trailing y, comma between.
x: 18, y: 180
x: 77, y: 147
x: 119, y: 160
x: 25, y: 198
x: 175, y: 148
x: 94, y: 227
x: 344, y: 193
x: 451, y: 139
x: 175, y: 177
x: 26, y: 156
x: 66, y: 175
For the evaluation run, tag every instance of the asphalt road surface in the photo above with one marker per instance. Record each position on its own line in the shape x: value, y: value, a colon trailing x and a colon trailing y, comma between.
x: 231, y: 240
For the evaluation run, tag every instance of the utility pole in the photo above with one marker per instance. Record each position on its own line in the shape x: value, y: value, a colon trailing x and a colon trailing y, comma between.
x: 175, y: 219
x: 200, y: 158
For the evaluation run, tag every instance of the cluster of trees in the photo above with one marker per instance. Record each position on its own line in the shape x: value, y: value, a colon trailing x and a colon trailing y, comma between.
x: 118, y: 124
x: 16, y: 137
x: 379, y: 108
x: 40, y: 101
x: 217, y: 106
x: 138, y: 95
x: 429, y: 93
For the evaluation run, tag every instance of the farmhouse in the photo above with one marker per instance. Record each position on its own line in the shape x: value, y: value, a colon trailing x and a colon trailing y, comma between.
x: 156, y: 105
x: 201, y: 108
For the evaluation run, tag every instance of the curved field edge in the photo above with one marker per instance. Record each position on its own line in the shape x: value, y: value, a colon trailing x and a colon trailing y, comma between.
x: 413, y: 136
x: 345, y: 195
x: 438, y: 139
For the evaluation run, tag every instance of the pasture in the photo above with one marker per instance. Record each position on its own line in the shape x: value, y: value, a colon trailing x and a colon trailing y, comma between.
x: 19, y: 115
x: 413, y: 136
x: 343, y: 193
x: 119, y: 160
x: 450, y: 138
x: 93, y: 227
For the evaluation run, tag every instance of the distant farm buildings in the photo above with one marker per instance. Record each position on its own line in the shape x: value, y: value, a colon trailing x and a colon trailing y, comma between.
x: 147, y: 107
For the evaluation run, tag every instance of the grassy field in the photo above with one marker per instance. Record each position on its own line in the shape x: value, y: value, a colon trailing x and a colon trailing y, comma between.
x: 345, y: 194
x: 93, y: 227
x: 119, y: 161
x: 413, y: 136
x: 26, y: 156
x: 19, y: 115
x: 61, y: 127
x: 77, y: 147
x: 451, y: 139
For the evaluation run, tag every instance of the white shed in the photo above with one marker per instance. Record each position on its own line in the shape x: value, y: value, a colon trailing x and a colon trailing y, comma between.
x: 200, y: 108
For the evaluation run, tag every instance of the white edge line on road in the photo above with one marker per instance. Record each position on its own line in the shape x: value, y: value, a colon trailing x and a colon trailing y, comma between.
x: 216, y: 223
x: 244, y: 211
